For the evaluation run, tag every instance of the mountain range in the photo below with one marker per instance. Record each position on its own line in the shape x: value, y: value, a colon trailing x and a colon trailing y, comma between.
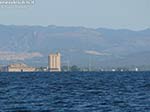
x: 77, y: 45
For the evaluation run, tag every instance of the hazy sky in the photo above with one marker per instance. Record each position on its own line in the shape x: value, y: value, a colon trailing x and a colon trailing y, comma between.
x: 131, y: 14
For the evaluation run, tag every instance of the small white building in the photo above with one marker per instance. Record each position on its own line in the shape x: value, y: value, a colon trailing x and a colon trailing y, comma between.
x: 113, y: 70
x: 136, y: 69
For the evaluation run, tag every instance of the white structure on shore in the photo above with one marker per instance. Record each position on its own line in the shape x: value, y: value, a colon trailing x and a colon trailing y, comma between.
x: 19, y: 68
x: 54, y: 62
x: 136, y: 69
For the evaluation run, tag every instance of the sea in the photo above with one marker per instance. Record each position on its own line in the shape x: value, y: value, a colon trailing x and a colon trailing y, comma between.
x: 75, y: 92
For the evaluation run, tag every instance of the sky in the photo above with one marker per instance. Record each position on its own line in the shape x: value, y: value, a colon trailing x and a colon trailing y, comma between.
x: 116, y: 14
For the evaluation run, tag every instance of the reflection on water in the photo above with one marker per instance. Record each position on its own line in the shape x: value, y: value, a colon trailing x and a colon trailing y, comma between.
x: 75, y: 92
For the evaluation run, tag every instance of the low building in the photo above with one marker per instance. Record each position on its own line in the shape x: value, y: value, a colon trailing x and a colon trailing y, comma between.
x: 20, y: 68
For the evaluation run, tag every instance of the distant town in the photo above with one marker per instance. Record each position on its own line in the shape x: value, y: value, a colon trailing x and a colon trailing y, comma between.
x: 55, y: 65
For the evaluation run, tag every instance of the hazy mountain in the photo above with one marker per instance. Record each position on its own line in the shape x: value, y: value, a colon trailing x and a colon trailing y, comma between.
x: 79, y: 45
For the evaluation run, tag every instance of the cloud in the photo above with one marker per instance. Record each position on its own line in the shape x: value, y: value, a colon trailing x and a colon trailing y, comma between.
x: 96, y: 53
x: 7, y: 56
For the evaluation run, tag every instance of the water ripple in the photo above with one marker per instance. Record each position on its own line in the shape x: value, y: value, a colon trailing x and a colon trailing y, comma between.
x: 75, y: 92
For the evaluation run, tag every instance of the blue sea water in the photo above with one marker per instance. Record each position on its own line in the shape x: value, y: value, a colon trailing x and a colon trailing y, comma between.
x: 75, y: 92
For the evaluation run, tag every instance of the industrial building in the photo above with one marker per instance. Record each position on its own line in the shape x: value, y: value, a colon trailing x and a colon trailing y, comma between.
x: 54, y: 62
x: 19, y: 68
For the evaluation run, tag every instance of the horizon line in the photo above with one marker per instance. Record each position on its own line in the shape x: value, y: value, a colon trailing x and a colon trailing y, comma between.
x: 75, y: 26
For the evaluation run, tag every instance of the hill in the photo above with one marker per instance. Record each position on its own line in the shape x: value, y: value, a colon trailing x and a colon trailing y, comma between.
x: 79, y: 45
